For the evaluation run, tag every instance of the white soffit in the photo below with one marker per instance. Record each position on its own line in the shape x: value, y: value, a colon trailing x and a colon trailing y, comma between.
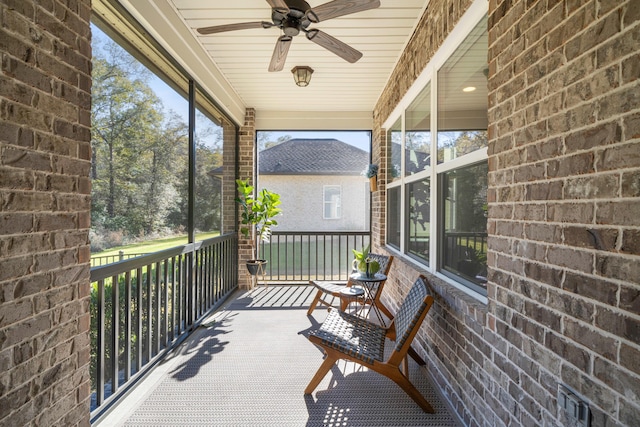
x: 232, y: 66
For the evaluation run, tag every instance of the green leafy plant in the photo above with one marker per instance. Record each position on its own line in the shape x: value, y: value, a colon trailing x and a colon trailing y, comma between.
x: 370, y: 171
x: 361, y: 258
x: 257, y: 214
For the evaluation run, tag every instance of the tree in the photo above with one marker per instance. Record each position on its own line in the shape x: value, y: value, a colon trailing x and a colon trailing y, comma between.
x: 133, y: 145
x: 265, y: 140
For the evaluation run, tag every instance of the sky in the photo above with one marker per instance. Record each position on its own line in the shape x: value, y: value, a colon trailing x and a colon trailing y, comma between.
x: 174, y: 101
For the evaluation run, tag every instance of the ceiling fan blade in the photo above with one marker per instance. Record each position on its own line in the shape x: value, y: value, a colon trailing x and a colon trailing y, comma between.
x: 233, y: 27
x: 334, y: 45
x: 279, y: 5
x: 280, y: 53
x: 336, y: 8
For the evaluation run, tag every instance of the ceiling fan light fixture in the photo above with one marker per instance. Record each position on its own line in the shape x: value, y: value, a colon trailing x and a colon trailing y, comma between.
x: 302, y: 75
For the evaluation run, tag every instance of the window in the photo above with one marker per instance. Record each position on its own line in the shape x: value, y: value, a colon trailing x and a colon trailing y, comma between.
x: 418, y: 224
x: 462, y: 99
x: 395, y: 137
x: 140, y: 144
x: 464, y: 223
x: 394, y: 216
x: 208, y: 176
x: 445, y: 116
x: 332, y: 201
x: 417, y: 134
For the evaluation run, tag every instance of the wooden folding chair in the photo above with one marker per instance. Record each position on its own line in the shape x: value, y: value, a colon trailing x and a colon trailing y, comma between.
x: 345, y: 336
x: 328, y: 291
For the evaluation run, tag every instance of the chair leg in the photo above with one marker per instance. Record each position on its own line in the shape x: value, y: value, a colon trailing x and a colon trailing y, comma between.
x: 384, y: 309
x: 415, y: 356
x: 320, y: 374
x: 314, y: 304
x: 413, y: 392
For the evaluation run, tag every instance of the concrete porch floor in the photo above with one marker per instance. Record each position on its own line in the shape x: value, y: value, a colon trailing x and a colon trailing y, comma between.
x: 248, y: 364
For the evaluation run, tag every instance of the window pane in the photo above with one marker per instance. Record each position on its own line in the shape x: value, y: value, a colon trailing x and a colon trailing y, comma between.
x: 419, y: 219
x: 209, y: 176
x: 139, y: 142
x: 332, y: 202
x: 462, y: 98
x: 418, y: 133
x: 394, y: 212
x: 394, y: 135
x: 464, y: 220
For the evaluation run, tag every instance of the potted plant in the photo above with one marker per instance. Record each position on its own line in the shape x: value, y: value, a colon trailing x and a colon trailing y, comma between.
x: 257, y: 218
x: 363, y: 264
x: 371, y: 172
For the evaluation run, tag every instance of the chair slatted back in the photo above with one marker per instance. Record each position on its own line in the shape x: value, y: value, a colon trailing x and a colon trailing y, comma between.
x: 411, y: 311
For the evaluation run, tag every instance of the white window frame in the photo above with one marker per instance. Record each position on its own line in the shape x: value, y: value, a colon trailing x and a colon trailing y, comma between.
x: 471, y: 18
x: 325, y: 202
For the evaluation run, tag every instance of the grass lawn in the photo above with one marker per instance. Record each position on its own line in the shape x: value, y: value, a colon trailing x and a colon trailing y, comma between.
x: 153, y: 245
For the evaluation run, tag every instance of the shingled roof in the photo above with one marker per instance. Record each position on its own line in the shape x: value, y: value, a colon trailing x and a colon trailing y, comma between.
x: 322, y: 156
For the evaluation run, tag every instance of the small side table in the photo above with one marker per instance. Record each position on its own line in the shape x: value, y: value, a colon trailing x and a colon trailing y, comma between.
x: 367, y: 290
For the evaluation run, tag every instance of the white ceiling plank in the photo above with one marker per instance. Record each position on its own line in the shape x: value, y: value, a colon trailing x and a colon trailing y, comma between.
x: 240, y: 58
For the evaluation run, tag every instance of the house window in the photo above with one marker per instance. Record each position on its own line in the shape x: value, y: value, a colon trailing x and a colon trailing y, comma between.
x: 418, y: 219
x: 417, y: 134
x: 464, y: 223
x: 332, y: 201
x: 395, y: 138
x: 444, y: 116
x: 394, y: 216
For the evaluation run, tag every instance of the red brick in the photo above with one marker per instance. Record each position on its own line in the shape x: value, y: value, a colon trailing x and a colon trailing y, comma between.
x: 592, y: 187
x: 618, y: 213
x: 588, y: 237
x: 630, y: 299
x: 630, y: 242
x: 600, y: 135
x: 619, y: 157
x: 577, y: 164
x: 570, y: 258
x: 629, y: 357
x: 570, y: 352
x: 581, y: 213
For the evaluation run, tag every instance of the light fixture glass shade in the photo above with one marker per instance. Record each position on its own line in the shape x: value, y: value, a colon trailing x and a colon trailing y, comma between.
x: 302, y: 75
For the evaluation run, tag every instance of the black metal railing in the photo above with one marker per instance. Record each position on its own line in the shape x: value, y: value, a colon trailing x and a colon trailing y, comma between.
x: 97, y: 261
x: 465, y: 253
x: 309, y: 255
x: 143, y: 307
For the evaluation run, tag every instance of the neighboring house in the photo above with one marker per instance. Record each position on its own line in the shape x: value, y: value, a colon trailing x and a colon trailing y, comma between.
x: 319, y: 183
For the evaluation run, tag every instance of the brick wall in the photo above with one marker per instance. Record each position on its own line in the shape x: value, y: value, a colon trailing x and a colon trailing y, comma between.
x: 45, y: 152
x: 565, y: 205
x: 380, y: 156
x: 246, y: 167
x: 564, y: 217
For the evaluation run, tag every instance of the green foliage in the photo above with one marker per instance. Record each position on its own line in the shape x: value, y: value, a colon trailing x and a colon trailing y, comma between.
x: 361, y: 258
x: 370, y: 171
x: 257, y: 212
x: 139, y: 164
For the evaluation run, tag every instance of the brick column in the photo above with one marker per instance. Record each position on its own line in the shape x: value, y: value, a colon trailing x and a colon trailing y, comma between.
x: 45, y: 154
x: 246, y: 167
x: 379, y: 156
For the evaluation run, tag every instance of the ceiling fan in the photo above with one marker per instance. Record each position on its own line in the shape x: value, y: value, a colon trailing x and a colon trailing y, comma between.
x: 295, y: 16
